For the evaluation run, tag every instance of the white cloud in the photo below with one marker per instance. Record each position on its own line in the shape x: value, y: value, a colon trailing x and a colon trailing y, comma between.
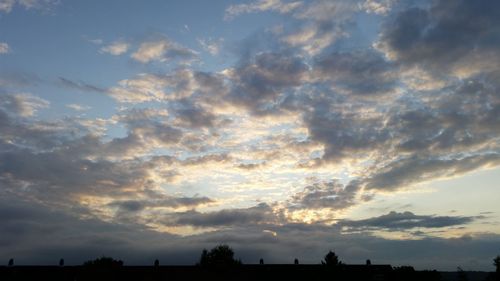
x: 24, y: 105
x: 116, y: 48
x: 379, y: 7
x: 78, y: 107
x: 4, y: 47
x: 145, y: 87
x: 211, y: 45
x: 162, y: 50
x: 261, y: 6
x: 312, y: 40
x: 7, y: 5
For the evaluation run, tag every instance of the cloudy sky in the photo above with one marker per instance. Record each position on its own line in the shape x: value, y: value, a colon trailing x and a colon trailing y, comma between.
x: 153, y: 129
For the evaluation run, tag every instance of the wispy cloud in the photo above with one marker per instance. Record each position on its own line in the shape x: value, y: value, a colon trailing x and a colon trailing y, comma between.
x: 23, y: 104
x: 162, y: 50
x: 260, y: 6
x: 7, y: 5
x: 116, y: 48
x: 212, y: 46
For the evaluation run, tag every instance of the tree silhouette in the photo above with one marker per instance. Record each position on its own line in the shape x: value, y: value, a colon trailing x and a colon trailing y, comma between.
x: 11, y: 262
x: 496, y: 263
x: 331, y: 259
x: 103, y: 262
x: 461, y: 275
x: 221, y: 255
x: 61, y: 262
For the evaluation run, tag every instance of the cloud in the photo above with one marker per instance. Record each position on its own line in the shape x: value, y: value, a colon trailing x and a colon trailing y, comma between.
x: 260, y: 6
x: 261, y: 213
x: 446, y: 37
x: 408, y: 171
x: 194, y: 116
x: 395, y: 221
x: 78, y: 107
x: 360, y: 72
x: 116, y: 48
x: 314, y: 37
x: 79, y: 239
x: 332, y: 195
x: 161, y: 202
x: 177, y: 85
x: 153, y: 130
x: 319, y: 25
x: 379, y: 7
x: 346, y: 134
x: 162, y: 50
x: 4, y: 47
x: 211, y: 45
x: 24, y: 105
x: 260, y: 82
x: 7, y: 5
x: 81, y: 86
x: 146, y: 87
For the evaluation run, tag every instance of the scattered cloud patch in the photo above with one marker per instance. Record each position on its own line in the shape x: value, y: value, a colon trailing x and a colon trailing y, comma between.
x: 4, y: 48
x: 78, y: 107
x: 24, y: 105
x: 116, y: 48
x: 162, y: 50
x: 260, y: 6
x: 211, y: 45
x: 6, y: 6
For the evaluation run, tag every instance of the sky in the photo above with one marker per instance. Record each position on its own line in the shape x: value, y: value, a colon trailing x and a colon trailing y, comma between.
x: 148, y: 130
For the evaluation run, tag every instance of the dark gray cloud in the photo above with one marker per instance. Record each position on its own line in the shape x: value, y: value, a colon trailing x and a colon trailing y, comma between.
x: 360, y: 73
x: 66, y: 176
x: 81, y: 86
x: 408, y: 171
x: 194, y: 116
x: 332, y: 195
x: 259, y: 83
x: 250, y: 166
x: 159, y: 201
x: 36, y: 234
x: 150, y: 126
x: 395, y: 221
x: 345, y: 134
x: 261, y: 213
x: 451, y: 34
